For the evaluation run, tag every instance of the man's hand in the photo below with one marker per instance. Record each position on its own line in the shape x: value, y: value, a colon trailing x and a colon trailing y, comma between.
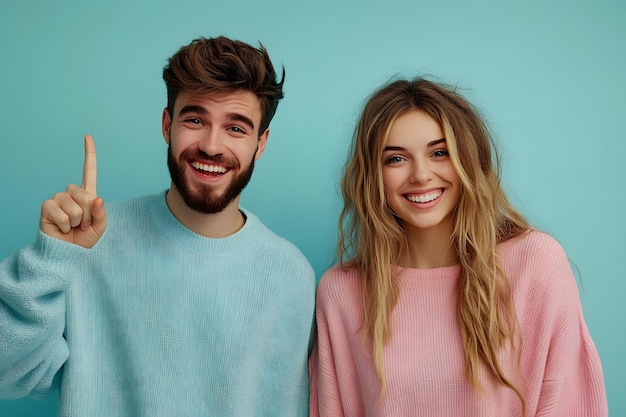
x: 77, y: 215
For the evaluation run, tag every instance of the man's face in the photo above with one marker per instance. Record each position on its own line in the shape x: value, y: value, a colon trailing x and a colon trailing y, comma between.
x: 213, y: 143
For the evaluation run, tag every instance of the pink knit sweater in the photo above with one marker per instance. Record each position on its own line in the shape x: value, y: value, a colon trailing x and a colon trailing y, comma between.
x: 561, y: 374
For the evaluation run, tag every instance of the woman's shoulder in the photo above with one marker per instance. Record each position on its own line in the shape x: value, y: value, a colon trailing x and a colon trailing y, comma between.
x: 532, y: 245
x: 537, y: 260
x: 339, y: 281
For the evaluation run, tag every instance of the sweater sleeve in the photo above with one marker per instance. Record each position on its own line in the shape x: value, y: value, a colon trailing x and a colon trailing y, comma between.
x: 32, y: 317
x: 293, y: 352
x: 325, y: 400
x: 573, y: 383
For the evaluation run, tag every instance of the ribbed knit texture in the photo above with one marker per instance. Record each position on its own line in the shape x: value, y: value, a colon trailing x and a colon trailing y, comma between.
x: 561, y: 374
x: 159, y: 321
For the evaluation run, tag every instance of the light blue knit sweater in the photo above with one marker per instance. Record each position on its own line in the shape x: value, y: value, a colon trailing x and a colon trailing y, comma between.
x: 156, y: 320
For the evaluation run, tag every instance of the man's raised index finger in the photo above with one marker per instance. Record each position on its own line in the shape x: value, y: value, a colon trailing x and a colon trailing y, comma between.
x: 90, y: 170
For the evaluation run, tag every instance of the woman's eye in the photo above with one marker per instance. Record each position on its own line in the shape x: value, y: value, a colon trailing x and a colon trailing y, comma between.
x: 440, y: 153
x: 393, y: 160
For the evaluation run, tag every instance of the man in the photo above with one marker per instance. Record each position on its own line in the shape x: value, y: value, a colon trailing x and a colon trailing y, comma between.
x: 176, y: 304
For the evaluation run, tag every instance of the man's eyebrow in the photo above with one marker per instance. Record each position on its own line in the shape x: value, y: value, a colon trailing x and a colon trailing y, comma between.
x: 192, y: 108
x: 238, y: 117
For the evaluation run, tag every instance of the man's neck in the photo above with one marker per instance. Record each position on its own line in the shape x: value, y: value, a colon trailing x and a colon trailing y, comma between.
x: 217, y: 225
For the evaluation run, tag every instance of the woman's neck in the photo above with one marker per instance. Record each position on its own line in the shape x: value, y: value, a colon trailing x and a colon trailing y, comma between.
x: 429, y: 248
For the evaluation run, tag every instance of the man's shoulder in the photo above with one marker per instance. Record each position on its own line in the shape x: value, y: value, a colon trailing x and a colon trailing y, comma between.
x: 265, y: 234
x: 270, y: 242
x: 135, y: 216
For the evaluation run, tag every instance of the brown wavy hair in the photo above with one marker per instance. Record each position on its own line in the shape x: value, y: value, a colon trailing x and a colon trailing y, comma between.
x: 222, y: 65
x: 372, y: 238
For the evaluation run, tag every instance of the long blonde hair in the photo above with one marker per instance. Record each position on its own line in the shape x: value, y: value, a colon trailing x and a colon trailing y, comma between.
x: 372, y: 239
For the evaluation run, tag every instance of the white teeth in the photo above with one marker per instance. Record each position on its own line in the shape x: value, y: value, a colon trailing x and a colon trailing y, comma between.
x: 425, y: 198
x: 209, y: 168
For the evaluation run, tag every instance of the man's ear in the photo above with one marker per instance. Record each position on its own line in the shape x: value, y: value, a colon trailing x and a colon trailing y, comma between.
x: 166, y: 125
x: 261, y: 144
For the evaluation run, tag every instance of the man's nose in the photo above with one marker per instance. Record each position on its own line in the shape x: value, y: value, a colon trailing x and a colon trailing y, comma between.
x: 211, y: 142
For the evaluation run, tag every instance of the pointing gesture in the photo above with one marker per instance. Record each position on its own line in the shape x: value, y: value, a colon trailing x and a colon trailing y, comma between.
x: 90, y: 171
x: 77, y: 215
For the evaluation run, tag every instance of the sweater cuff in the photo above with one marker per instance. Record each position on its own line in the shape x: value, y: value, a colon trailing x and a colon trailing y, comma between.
x: 58, y: 252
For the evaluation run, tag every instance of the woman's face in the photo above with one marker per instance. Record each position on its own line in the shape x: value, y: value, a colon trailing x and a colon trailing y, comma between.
x: 421, y: 184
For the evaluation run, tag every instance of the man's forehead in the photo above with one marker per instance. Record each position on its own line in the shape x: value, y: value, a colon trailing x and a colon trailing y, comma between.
x: 241, y: 99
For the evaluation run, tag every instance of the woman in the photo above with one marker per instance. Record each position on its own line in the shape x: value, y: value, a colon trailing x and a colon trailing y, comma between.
x: 445, y: 302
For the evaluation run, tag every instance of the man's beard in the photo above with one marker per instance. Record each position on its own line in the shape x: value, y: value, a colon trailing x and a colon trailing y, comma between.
x: 201, y: 197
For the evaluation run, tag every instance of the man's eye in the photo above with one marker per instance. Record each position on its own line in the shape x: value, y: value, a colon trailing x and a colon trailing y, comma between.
x: 194, y: 121
x: 236, y: 129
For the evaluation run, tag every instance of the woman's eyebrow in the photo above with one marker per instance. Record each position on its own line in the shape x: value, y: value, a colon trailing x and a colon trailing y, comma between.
x: 393, y: 148
x: 436, y: 142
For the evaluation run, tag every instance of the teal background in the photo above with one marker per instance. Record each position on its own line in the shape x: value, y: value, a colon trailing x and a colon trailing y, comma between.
x: 549, y: 77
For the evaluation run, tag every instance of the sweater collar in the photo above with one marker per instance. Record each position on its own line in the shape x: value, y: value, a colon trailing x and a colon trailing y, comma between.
x: 179, y: 235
